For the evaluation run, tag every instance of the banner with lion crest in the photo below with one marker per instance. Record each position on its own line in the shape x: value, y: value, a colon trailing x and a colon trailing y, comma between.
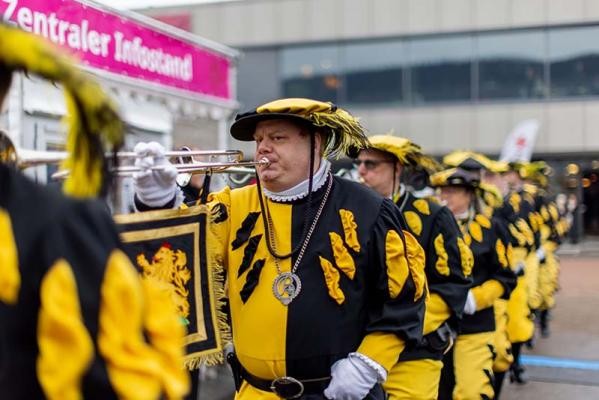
x: 170, y: 246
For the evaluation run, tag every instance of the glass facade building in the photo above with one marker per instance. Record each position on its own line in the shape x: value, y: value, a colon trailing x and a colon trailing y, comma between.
x: 536, y: 64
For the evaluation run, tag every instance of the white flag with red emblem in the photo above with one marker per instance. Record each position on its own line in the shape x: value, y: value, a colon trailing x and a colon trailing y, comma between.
x: 520, y: 142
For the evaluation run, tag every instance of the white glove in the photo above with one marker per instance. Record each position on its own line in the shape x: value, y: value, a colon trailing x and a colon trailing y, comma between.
x: 154, y: 188
x: 470, y: 306
x: 353, y: 377
x: 541, y: 254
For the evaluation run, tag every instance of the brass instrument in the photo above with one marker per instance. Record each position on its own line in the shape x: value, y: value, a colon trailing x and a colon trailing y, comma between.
x: 31, y: 158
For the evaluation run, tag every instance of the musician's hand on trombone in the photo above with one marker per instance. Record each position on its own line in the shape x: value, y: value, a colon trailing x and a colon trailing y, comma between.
x: 154, y: 187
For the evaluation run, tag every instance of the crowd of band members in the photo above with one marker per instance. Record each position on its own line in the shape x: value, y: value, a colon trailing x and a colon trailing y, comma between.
x: 421, y: 294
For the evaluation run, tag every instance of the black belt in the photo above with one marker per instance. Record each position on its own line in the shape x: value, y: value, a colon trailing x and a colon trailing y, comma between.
x: 287, y: 387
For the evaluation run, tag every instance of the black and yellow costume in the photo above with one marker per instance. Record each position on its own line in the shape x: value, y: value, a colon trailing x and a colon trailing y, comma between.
x: 362, y: 278
x: 492, y: 279
x: 448, y: 268
x: 362, y: 282
x: 74, y: 313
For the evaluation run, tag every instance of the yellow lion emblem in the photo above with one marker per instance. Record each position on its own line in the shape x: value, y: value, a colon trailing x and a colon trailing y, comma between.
x: 169, y: 267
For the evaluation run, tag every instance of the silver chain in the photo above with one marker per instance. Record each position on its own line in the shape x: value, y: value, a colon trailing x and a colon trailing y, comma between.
x: 308, y: 235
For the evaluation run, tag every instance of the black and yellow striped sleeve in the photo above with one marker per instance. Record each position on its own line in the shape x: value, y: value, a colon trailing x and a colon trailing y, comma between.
x: 396, y: 314
x: 449, y: 264
x: 502, y: 280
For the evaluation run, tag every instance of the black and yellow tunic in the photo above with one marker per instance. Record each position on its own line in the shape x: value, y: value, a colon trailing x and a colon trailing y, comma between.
x: 492, y: 276
x: 73, y: 311
x: 362, y: 280
x: 448, y: 265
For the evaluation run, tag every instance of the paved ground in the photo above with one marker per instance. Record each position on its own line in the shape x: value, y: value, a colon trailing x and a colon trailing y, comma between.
x: 564, y: 366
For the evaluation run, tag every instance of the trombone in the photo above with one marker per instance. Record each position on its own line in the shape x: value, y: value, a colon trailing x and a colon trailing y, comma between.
x: 32, y: 158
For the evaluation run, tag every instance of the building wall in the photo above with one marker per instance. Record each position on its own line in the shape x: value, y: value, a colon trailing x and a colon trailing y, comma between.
x: 570, y: 126
x: 264, y: 22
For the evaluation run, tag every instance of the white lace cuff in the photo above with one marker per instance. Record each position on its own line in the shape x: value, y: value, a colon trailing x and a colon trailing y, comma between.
x: 380, y: 371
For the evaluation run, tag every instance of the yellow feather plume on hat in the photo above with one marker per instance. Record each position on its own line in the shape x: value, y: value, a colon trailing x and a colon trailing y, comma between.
x: 342, y: 131
x: 92, y: 117
x: 407, y: 152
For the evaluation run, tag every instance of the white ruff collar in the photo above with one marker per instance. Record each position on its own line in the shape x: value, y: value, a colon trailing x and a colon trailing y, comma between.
x: 300, y: 190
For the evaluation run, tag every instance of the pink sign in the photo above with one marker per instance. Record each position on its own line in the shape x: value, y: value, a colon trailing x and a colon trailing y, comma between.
x: 108, y: 41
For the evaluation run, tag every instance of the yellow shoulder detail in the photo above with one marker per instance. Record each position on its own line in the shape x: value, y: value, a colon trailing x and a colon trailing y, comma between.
x: 422, y: 206
x: 65, y: 346
x: 442, y: 257
x: 350, y: 229
x: 466, y: 256
x: 10, y: 278
x: 501, y: 253
x: 331, y: 277
x: 414, y: 222
x: 483, y: 221
x: 344, y: 260
x: 476, y: 231
x: 397, y: 263
x: 416, y: 263
x: 467, y: 239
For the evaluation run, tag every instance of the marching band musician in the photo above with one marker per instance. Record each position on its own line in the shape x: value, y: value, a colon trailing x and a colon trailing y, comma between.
x: 74, y: 314
x: 513, y: 320
x: 325, y: 287
x: 469, y: 365
x: 448, y: 263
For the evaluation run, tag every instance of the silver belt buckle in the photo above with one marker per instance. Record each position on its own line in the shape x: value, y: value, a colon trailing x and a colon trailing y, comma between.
x: 287, y: 387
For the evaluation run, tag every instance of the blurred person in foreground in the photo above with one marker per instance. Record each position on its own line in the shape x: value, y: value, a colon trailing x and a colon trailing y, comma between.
x: 468, y: 368
x: 325, y: 288
x: 448, y: 263
x: 76, y: 320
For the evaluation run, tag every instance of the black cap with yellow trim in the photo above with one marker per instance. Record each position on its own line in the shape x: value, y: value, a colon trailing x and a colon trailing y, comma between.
x: 455, y: 177
x: 343, y: 132
x: 473, y: 161
x: 407, y: 152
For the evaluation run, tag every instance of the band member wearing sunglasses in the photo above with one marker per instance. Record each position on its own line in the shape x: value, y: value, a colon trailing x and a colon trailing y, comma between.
x: 448, y: 263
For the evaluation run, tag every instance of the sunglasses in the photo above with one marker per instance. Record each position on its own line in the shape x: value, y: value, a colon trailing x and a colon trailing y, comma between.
x: 370, y: 164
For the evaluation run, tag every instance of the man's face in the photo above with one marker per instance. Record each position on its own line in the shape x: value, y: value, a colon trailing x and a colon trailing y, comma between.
x: 456, y: 198
x: 376, y: 170
x: 287, y: 147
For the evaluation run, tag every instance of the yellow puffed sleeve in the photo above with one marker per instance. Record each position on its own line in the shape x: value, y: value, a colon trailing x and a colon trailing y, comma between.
x: 397, y: 263
x: 133, y: 366
x: 384, y: 348
x: 486, y: 294
x: 65, y: 346
x: 10, y: 279
x: 437, y: 312
x: 166, y: 332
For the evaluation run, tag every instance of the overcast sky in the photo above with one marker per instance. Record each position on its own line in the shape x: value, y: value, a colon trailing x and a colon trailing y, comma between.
x: 151, y: 3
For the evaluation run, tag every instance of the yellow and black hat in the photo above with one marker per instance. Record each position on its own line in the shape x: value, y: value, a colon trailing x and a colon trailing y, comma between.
x: 407, y: 152
x: 537, y: 172
x: 343, y: 132
x: 92, y: 117
x: 473, y: 161
x: 456, y: 177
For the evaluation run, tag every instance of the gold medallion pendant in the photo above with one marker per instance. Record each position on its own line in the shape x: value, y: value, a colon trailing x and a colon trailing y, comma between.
x: 286, y: 287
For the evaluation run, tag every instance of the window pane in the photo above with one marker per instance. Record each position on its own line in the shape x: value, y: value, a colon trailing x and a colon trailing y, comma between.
x: 256, y: 78
x: 374, y: 72
x: 574, y: 57
x: 511, y: 66
x: 311, y: 72
x: 440, y: 69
